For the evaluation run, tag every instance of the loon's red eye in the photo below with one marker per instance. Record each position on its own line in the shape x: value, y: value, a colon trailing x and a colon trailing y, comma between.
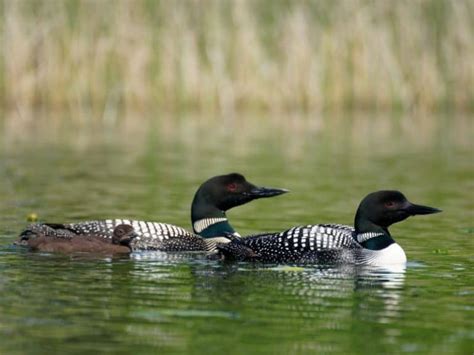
x: 389, y: 204
x: 231, y: 187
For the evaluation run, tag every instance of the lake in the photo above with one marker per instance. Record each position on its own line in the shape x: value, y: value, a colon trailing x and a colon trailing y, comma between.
x: 149, y: 168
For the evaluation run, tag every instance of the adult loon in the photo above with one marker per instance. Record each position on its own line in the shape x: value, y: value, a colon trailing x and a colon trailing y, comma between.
x: 208, y: 215
x: 369, y: 243
x: 65, y: 241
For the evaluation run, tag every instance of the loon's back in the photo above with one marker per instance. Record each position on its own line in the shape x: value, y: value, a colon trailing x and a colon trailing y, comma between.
x: 320, y: 243
x: 150, y: 235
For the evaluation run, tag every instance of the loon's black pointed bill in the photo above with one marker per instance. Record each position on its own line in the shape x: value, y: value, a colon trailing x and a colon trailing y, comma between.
x: 420, y: 209
x: 260, y: 192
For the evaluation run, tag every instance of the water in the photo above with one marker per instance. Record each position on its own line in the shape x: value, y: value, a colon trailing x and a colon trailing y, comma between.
x: 154, y: 302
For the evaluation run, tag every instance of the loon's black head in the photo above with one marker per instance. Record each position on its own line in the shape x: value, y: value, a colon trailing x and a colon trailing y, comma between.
x: 221, y: 193
x: 123, y: 234
x: 384, y: 208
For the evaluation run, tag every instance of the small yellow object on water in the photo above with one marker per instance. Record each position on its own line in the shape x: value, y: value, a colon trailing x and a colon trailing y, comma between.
x: 32, y: 217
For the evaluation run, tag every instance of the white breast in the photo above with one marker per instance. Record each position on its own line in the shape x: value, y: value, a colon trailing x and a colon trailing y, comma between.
x: 393, y: 254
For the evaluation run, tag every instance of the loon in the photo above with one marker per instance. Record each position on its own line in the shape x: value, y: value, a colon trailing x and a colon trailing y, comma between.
x: 66, y: 241
x: 368, y: 243
x: 208, y: 215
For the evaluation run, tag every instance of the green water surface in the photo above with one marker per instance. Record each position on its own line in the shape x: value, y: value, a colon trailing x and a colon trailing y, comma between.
x: 159, y: 303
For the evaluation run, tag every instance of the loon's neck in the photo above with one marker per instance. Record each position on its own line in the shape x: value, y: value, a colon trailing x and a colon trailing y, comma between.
x: 372, y: 236
x: 213, y: 227
x: 208, y: 220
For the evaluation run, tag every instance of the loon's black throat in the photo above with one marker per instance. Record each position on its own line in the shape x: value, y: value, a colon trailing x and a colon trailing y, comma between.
x: 373, y: 240
x: 370, y: 235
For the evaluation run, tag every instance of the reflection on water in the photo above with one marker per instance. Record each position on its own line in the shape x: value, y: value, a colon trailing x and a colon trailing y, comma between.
x: 157, y: 302
x: 386, y: 283
x: 183, y: 301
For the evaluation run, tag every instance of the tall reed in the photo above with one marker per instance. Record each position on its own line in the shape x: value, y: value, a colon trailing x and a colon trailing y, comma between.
x: 220, y: 55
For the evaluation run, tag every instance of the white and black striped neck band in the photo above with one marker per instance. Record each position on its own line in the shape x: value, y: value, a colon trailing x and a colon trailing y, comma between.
x: 202, y: 224
x: 363, y: 237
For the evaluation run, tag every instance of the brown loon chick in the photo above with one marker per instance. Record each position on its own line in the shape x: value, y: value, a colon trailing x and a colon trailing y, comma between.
x: 66, y: 241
